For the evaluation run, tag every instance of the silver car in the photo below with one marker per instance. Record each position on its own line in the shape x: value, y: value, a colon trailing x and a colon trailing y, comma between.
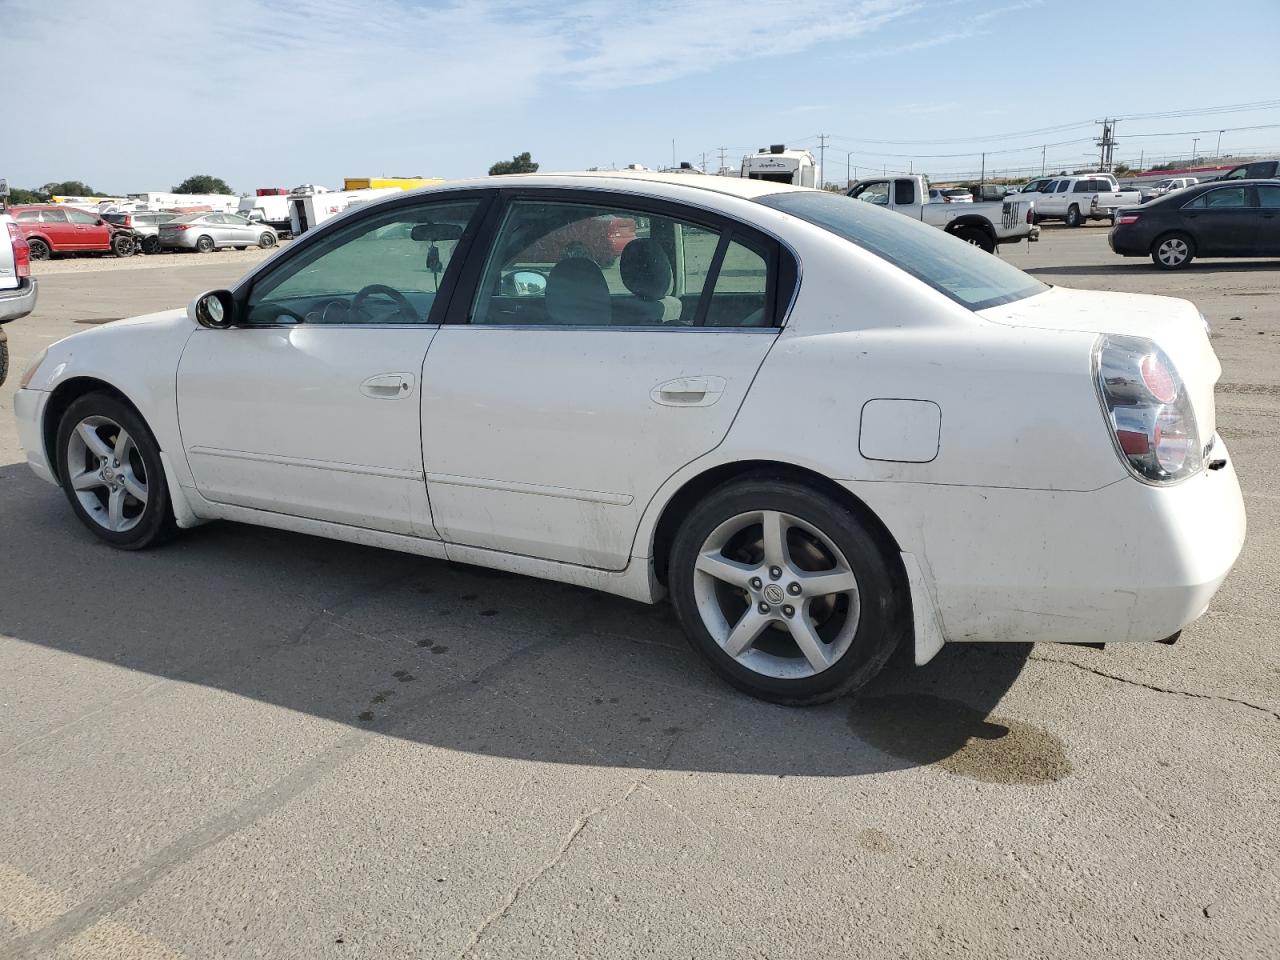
x: 145, y: 223
x: 204, y: 232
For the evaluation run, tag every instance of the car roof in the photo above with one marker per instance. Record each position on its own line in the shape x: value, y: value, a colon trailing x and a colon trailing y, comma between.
x: 624, y: 180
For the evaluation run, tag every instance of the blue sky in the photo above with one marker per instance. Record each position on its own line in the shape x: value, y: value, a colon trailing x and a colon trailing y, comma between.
x: 138, y: 95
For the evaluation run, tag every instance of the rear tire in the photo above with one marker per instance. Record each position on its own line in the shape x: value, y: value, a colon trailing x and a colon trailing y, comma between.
x: 1073, y: 216
x: 39, y: 249
x: 151, y: 245
x: 833, y: 640
x: 204, y: 245
x: 977, y: 236
x: 116, y: 487
x: 4, y: 357
x: 1173, y: 251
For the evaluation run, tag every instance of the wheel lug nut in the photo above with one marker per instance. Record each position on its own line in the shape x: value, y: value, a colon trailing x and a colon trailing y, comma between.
x: 764, y: 608
x: 789, y: 611
x: 775, y: 573
x: 756, y: 583
x: 793, y: 589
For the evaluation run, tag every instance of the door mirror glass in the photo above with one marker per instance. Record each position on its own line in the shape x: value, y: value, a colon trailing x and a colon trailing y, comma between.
x: 215, y: 309
x: 524, y: 283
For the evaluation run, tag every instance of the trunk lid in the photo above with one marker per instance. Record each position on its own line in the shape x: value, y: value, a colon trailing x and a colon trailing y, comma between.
x: 1175, y: 326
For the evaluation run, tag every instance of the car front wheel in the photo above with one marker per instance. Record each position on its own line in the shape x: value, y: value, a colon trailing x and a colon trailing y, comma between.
x: 1073, y: 216
x: 785, y: 592
x: 267, y: 241
x: 1173, y: 251
x: 110, y: 469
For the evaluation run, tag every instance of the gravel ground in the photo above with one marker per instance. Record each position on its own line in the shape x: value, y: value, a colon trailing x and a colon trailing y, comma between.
x: 256, y: 744
x: 231, y: 259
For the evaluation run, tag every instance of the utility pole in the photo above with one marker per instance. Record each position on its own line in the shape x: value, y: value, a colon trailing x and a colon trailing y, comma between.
x: 704, y: 161
x: 848, y: 170
x: 674, y: 165
x: 1217, y: 151
x: 1042, y: 150
x: 1107, y: 143
x: 822, y: 158
x: 1194, y: 142
x: 722, y: 150
x: 1141, y: 156
x: 983, y: 177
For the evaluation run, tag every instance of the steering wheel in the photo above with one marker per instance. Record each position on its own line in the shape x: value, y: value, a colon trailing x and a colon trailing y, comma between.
x: 379, y: 289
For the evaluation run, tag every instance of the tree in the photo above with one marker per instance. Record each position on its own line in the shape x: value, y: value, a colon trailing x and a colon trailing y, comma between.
x: 69, y: 188
x: 521, y: 163
x: 203, y: 183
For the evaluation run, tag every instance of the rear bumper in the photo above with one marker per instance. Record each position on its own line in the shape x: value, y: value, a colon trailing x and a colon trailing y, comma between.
x: 28, y: 410
x: 1128, y: 562
x: 1128, y: 243
x: 19, y: 301
x: 184, y: 241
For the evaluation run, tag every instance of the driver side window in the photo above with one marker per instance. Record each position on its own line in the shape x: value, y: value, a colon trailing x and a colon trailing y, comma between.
x: 385, y: 268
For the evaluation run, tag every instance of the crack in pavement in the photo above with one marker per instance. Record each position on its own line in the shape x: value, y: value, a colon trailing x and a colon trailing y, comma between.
x: 1275, y: 715
x: 579, y: 826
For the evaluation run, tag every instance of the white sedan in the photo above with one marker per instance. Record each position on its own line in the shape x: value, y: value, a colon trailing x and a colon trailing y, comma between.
x: 822, y: 429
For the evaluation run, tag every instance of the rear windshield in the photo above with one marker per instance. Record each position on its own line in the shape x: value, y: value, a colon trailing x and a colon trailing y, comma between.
x: 956, y: 269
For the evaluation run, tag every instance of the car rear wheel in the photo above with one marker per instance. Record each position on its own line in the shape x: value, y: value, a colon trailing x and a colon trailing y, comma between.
x: 39, y: 249
x: 785, y: 592
x: 267, y: 241
x: 1173, y: 251
x: 204, y: 245
x: 1073, y: 216
x: 110, y: 469
x: 977, y: 237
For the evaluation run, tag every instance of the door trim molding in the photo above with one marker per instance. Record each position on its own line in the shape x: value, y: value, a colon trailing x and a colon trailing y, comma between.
x: 333, y: 465
x: 534, y: 489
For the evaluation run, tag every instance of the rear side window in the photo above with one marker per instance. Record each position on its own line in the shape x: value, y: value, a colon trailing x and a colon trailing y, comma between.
x: 1269, y: 197
x: 956, y: 269
x: 904, y: 191
x: 1084, y: 186
x: 1224, y: 198
x: 28, y: 216
x: 564, y: 263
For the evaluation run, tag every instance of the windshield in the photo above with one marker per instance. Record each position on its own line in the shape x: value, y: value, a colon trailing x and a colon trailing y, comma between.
x: 956, y: 269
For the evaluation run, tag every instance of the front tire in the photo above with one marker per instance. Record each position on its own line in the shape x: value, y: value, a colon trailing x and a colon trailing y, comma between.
x: 110, y: 470
x: 1073, y: 216
x: 1173, y: 251
x: 785, y: 592
x: 122, y: 245
x: 267, y: 241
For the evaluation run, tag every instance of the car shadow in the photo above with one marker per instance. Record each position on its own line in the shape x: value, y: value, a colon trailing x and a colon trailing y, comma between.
x: 453, y: 656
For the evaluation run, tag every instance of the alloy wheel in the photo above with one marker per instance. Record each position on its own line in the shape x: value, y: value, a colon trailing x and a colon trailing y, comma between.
x: 107, y: 473
x: 776, y: 594
x: 1172, y: 251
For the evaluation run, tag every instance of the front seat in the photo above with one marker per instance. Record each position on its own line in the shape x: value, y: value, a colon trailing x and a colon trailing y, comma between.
x: 646, y: 272
x: 578, y: 294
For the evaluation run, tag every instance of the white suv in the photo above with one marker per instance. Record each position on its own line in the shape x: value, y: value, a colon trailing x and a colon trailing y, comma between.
x: 17, y: 286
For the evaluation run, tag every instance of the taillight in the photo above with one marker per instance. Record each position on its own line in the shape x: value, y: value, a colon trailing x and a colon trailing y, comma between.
x: 178, y: 226
x: 1148, y: 410
x: 1031, y: 213
x: 1127, y: 218
x: 21, y: 251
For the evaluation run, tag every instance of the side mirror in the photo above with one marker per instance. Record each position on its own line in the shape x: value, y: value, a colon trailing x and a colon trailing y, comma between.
x: 524, y: 283
x: 101, y: 222
x: 214, y: 310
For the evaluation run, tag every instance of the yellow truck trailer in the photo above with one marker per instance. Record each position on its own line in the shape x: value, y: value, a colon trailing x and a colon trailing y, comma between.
x: 377, y: 183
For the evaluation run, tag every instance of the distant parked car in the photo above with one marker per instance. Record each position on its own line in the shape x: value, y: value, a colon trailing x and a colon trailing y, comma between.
x: 1167, y: 185
x: 51, y: 228
x: 17, y: 286
x: 145, y: 224
x: 600, y: 239
x: 958, y: 195
x: 204, y: 232
x: 1215, y: 219
x: 985, y: 192
x: 1254, y: 170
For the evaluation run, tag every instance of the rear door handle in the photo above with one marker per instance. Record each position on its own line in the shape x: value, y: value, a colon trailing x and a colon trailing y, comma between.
x: 688, y: 392
x: 388, y: 386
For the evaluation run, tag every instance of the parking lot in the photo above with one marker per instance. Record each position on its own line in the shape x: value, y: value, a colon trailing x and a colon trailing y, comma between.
x: 251, y: 743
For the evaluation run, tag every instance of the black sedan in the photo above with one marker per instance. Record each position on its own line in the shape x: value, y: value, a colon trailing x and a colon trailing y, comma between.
x: 1236, y: 219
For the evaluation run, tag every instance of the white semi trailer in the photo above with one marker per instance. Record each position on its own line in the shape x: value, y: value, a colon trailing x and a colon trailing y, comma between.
x: 780, y: 165
x: 307, y: 210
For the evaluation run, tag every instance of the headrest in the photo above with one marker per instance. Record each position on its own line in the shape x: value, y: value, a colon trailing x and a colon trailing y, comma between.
x: 645, y: 269
x: 578, y: 293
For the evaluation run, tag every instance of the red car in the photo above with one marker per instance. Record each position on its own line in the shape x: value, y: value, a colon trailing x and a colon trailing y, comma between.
x: 57, y: 228
x: 598, y: 238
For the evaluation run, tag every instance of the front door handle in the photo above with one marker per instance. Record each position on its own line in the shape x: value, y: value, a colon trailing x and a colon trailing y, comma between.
x: 388, y: 386
x: 688, y: 392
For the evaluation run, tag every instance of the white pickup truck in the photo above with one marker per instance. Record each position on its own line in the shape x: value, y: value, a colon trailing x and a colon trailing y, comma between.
x: 1077, y: 199
x: 986, y: 224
